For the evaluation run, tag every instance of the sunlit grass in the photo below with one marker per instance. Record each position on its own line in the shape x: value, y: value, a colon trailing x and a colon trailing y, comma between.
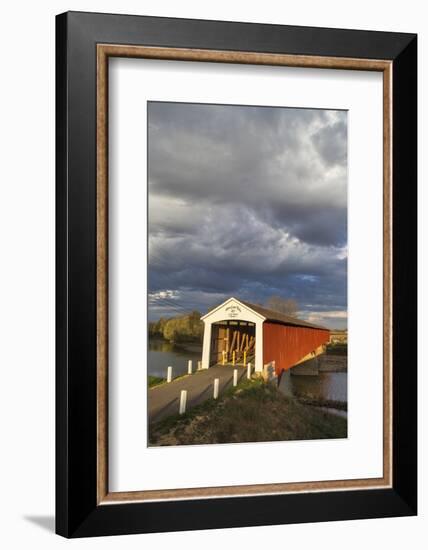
x: 254, y: 411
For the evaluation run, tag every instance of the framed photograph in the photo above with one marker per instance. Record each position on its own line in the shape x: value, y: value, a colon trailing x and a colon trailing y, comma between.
x: 236, y: 274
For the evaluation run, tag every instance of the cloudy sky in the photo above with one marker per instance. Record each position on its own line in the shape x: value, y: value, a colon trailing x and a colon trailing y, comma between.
x: 247, y: 202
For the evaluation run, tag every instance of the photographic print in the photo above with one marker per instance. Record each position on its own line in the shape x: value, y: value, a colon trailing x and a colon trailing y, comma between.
x: 204, y: 281
x: 247, y: 274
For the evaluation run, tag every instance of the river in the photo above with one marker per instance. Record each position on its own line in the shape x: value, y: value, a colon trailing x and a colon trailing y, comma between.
x: 330, y: 386
x: 163, y: 354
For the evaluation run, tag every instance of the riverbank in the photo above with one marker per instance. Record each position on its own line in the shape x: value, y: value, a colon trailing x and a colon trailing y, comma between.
x: 155, y: 381
x: 324, y: 403
x: 252, y: 412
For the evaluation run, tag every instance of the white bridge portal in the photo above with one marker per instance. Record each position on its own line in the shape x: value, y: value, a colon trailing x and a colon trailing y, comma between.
x: 233, y: 328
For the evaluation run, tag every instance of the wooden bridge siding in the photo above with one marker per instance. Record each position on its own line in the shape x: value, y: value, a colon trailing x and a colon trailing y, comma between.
x: 224, y: 339
x: 286, y: 345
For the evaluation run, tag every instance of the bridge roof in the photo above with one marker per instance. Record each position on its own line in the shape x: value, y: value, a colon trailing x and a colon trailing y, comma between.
x: 278, y: 317
x: 269, y: 315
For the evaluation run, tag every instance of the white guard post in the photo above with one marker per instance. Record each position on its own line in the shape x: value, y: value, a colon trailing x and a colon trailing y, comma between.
x: 183, y: 400
x: 235, y: 377
x: 169, y: 374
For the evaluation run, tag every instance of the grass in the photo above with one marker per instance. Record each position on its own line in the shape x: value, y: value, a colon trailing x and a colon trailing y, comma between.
x: 254, y: 411
x: 155, y: 381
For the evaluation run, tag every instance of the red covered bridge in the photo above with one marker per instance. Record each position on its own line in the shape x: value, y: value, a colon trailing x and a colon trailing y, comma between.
x: 237, y: 332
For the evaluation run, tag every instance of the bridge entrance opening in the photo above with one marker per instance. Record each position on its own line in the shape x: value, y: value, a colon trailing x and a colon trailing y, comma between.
x: 233, y: 343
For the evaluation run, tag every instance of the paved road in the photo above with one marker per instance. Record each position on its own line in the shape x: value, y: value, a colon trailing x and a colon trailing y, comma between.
x: 164, y: 399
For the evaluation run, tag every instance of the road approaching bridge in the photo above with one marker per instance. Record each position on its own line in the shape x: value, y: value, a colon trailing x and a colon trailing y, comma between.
x: 163, y: 400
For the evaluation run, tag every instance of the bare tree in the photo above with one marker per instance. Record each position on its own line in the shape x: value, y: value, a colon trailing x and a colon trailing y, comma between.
x: 288, y: 306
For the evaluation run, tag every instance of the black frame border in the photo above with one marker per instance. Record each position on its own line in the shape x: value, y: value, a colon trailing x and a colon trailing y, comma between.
x: 77, y: 512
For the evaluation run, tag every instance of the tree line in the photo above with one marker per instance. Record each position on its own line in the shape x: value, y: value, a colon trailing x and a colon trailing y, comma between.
x: 184, y: 328
x: 190, y: 328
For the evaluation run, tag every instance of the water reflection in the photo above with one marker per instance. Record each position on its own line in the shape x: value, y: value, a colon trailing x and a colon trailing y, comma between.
x: 162, y: 354
x: 327, y: 386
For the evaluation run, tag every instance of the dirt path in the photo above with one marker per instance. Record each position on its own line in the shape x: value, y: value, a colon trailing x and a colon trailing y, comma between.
x: 163, y: 400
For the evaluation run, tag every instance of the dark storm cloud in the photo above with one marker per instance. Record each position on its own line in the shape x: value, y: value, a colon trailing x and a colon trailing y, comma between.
x: 331, y: 142
x: 249, y: 202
